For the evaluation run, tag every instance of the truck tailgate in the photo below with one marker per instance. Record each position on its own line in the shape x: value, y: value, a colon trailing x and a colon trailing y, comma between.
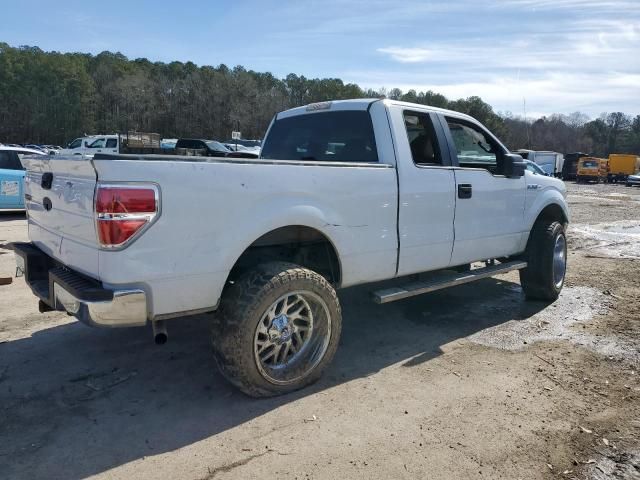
x: 59, y: 195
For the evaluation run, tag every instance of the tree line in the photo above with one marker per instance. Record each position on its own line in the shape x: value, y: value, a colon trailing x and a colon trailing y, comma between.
x: 52, y: 97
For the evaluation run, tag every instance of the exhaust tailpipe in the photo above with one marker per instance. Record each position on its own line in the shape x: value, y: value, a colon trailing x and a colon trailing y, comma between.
x: 160, y: 335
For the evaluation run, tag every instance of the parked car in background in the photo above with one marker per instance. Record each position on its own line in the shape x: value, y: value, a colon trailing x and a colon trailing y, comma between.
x: 246, y: 143
x: 621, y: 166
x: 592, y: 169
x: 168, y: 143
x: 130, y: 142
x: 238, y: 151
x: 550, y: 162
x: 633, y: 180
x: 33, y: 146
x: 535, y: 168
x: 12, y: 176
x: 78, y: 146
x: 236, y: 148
x: 208, y: 148
x: 250, y: 145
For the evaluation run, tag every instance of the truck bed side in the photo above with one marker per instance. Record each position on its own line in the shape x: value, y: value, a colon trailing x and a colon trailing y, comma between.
x: 212, y: 210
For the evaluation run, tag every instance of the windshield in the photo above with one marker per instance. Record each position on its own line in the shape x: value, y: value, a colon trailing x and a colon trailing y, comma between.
x: 217, y: 146
x: 590, y: 164
x: 76, y: 143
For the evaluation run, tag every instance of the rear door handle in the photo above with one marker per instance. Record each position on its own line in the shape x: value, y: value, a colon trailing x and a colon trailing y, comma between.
x: 464, y: 190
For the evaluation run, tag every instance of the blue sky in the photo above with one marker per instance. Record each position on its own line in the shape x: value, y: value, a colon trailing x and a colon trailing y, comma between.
x: 561, y: 55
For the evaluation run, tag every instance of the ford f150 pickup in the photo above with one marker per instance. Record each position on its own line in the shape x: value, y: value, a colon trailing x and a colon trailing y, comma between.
x: 344, y: 193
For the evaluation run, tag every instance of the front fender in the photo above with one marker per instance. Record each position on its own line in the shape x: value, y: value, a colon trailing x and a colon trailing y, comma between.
x: 548, y: 196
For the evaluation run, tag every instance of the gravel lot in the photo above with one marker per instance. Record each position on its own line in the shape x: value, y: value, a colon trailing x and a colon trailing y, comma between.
x: 471, y: 382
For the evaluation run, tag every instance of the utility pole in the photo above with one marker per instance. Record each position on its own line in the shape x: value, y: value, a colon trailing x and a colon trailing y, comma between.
x: 526, y: 122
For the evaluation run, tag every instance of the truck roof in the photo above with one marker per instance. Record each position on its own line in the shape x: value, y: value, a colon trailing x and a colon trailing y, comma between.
x: 363, y: 104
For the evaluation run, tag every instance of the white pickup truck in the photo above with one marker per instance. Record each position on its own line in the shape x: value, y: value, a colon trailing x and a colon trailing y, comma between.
x: 344, y: 193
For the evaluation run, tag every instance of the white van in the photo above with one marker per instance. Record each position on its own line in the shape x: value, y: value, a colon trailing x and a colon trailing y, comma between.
x: 550, y: 162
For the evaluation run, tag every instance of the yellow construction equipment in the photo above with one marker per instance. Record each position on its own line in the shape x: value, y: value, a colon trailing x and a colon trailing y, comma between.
x: 621, y: 165
x: 592, y: 169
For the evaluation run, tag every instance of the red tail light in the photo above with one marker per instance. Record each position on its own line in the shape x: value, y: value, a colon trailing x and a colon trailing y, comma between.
x: 124, y: 212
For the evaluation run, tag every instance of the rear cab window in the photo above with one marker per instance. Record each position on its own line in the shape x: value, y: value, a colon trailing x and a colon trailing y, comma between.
x: 422, y: 138
x: 338, y: 136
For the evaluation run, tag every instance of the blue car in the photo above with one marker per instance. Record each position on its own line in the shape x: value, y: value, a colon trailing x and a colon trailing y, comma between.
x: 12, y: 177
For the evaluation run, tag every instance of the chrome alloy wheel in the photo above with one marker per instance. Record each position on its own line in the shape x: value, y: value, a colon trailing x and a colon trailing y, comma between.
x: 292, y: 337
x: 559, y: 260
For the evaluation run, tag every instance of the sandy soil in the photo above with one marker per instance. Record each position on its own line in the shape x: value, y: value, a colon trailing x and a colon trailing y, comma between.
x: 472, y: 382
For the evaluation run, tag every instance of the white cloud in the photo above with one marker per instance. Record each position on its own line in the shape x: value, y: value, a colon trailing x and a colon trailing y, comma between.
x: 550, y: 93
x: 408, y: 55
x: 575, y: 55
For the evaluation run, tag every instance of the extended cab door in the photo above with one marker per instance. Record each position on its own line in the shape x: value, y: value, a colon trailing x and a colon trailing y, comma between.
x: 111, y: 145
x: 489, y: 214
x: 426, y: 190
x: 104, y: 145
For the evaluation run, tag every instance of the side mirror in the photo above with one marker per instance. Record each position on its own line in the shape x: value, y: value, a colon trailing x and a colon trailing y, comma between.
x: 514, y: 165
x: 86, y: 144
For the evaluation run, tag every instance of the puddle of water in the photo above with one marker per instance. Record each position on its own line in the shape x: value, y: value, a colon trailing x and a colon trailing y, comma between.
x: 561, y: 320
x: 616, y: 239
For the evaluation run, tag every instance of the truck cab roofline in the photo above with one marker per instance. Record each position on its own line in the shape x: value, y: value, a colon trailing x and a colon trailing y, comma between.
x: 365, y: 104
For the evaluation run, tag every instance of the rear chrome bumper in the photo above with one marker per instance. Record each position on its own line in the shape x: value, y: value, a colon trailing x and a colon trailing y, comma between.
x: 61, y: 288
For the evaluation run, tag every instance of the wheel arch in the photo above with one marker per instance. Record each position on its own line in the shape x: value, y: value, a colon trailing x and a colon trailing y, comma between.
x: 549, y: 203
x: 552, y: 210
x: 303, y: 245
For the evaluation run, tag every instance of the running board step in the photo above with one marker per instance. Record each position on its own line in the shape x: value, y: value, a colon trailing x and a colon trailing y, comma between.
x: 450, y: 280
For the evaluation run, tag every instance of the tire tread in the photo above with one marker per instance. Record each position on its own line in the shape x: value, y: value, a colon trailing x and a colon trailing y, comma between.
x: 537, y: 278
x: 237, y: 311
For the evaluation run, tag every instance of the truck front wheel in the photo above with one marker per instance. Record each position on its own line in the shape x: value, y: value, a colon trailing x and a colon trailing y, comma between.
x: 277, y: 329
x: 546, y: 256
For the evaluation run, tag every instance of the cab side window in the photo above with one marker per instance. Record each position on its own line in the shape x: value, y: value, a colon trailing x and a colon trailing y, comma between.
x: 111, y: 143
x: 98, y: 143
x: 474, y: 148
x: 422, y: 138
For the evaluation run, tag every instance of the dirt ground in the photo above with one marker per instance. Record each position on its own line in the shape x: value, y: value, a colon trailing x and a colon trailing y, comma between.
x: 471, y: 382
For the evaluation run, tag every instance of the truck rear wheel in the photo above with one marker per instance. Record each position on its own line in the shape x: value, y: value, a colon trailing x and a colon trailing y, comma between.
x: 277, y: 329
x: 546, y: 256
